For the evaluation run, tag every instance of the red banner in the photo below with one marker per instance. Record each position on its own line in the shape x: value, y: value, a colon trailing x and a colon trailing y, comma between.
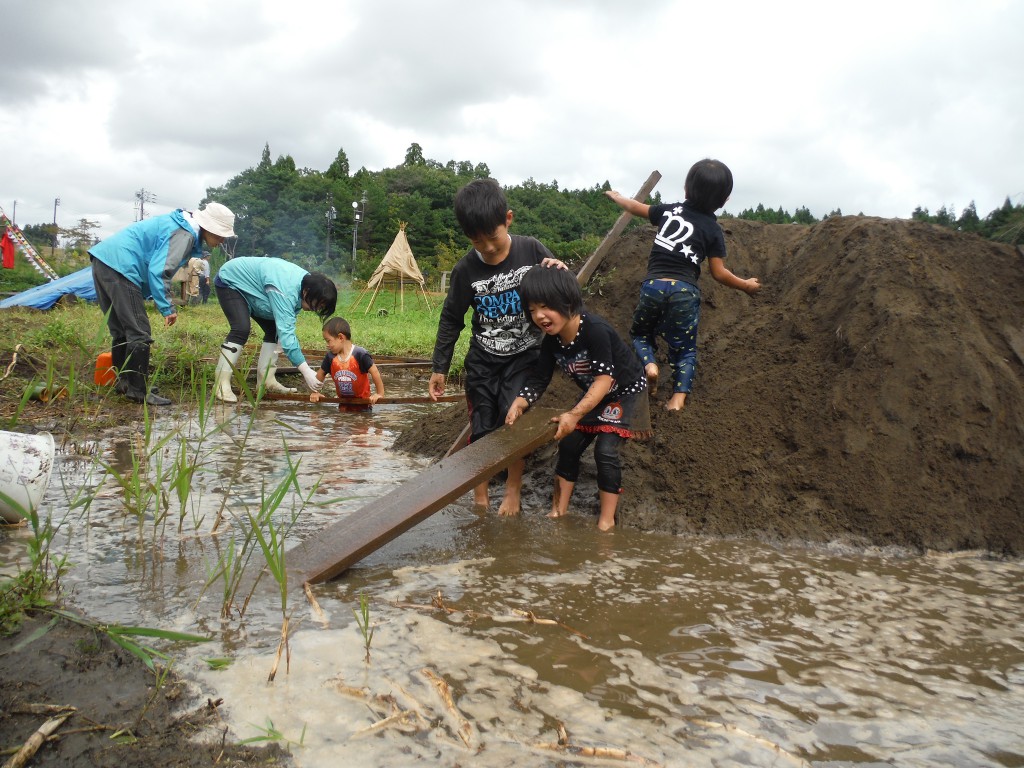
x: 7, y: 246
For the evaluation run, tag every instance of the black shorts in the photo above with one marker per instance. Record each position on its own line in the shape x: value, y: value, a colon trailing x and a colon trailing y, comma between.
x: 492, y: 383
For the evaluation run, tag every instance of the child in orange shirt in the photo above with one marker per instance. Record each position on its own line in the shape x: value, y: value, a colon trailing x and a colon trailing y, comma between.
x: 350, y: 367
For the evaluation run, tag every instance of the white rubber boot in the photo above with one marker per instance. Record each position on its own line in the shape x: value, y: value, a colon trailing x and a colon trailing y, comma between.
x: 229, y: 354
x: 265, y: 370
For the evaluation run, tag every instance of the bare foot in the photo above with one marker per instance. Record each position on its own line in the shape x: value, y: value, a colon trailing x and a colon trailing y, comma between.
x: 651, y: 369
x: 480, y: 509
x: 677, y: 402
x: 509, y: 506
x: 557, y: 513
x: 605, y: 526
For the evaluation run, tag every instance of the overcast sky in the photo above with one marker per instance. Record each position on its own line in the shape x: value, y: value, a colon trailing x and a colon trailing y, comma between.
x: 873, y: 107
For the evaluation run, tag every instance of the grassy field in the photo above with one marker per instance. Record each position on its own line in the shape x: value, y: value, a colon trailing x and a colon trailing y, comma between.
x: 59, y: 346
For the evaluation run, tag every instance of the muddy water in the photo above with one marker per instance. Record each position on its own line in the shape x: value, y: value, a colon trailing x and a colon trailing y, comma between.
x: 679, y: 650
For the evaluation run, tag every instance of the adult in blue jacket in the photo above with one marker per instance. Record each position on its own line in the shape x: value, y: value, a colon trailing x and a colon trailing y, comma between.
x: 272, y: 292
x: 138, y: 263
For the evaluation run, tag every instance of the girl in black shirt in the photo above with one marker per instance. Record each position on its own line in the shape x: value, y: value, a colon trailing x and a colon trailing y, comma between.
x: 614, y: 404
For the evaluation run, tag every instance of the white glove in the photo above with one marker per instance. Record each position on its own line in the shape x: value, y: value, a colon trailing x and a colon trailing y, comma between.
x: 312, y: 381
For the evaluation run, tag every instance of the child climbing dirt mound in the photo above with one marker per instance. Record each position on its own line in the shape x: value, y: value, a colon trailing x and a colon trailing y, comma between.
x: 872, y: 393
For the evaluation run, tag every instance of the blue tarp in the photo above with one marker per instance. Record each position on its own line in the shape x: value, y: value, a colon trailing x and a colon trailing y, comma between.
x: 46, y: 295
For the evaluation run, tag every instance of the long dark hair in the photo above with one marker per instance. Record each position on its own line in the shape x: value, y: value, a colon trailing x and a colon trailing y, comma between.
x: 320, y: 293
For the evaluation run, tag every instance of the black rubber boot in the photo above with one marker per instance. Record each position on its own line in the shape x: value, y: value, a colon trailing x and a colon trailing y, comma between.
x: 136, y: 376
x: 118, y: 356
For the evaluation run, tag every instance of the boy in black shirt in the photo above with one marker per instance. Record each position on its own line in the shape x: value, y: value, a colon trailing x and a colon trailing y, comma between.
x: 503, y: 347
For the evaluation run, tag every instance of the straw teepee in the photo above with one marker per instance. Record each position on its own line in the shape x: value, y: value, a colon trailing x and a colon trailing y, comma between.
x: 396, y: 269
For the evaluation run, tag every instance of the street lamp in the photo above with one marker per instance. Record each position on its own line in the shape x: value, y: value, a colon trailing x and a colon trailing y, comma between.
x: 357, y: 213
x: 331, y: 214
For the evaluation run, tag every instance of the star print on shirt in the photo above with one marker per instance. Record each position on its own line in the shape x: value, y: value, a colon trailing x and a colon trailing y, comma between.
x: 689, y: 253
x: 677, y: 210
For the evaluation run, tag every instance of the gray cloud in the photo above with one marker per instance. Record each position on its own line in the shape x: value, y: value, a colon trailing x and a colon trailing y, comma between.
x: 874, y: 108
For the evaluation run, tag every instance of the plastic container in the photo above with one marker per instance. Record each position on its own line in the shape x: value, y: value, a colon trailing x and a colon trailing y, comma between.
x: 26, y: 463
x: 105, y: 374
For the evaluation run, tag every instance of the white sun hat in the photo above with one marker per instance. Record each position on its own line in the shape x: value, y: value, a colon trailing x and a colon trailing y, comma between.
x: 216, y: 219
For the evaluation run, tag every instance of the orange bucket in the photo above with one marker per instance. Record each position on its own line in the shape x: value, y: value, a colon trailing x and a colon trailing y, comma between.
x: 105, y: 373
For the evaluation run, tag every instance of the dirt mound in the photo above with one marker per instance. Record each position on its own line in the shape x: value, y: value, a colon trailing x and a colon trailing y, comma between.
x: 872, y: 393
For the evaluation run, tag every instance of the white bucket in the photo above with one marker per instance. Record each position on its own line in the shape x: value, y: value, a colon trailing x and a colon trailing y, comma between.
x: 26, y: 463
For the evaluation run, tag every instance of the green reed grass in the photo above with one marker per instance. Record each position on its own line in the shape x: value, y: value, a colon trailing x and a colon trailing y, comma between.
x: 34, y: 587
x: 270, y: 733
x: 366, y: 628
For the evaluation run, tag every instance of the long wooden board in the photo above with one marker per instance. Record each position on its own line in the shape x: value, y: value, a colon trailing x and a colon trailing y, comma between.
x: 333, y: 550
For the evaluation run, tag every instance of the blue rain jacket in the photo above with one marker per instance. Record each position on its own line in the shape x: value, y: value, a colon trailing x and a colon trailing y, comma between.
x: 149, y: 252
x: 273, y: 290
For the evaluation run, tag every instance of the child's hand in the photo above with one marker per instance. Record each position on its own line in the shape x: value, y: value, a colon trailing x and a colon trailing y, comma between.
x: 518, y: 407
x: 374, y: 398
x: 566, y: 424
x: 315, y: 397
x: 436, y: 385
x: 553, y: 263
x: 752, y: 285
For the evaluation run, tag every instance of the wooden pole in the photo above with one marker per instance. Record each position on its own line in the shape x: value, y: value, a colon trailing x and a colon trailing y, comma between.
x: 598, y: 255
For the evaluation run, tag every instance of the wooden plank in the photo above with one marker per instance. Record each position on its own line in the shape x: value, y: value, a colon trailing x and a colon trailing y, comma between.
x: 598, y: 255
x: 334, y: 549
x: 299, y: 398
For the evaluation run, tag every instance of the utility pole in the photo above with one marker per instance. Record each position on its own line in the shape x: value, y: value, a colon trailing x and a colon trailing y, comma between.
x: 14, y: 214
x: 144, y: 197
x: 53, y: 245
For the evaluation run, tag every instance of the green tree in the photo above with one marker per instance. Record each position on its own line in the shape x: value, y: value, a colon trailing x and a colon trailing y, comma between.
x: 969, y: 220
x: 339, y: 168
x: 414, y: 155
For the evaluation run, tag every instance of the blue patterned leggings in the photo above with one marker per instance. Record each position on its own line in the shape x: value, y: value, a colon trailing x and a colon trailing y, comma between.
x: 670, y: 309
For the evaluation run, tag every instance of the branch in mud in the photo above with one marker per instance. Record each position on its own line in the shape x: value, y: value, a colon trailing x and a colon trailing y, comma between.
x: 565, y: 746
x: 759, y: 739
x: 35, y: 741
x: 14, y: 362
x: 384, y: 706
x: 463, y: 727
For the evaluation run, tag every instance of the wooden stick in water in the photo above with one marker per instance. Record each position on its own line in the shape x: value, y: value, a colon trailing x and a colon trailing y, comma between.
x: 299, y: 398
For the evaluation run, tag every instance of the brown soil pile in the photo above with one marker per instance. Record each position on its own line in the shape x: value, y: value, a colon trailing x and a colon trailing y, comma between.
x: 872, y: 393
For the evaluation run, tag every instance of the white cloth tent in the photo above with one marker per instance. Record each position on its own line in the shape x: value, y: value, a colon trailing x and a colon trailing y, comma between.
x: 396, y: 269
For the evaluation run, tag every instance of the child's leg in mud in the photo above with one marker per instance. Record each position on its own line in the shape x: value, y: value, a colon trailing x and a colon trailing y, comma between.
x: 510, y: 504
x: 567, y: 469
x: 560, y: 499
x: 609, y: 503
x: 480, y: 498
x: 609, y: 477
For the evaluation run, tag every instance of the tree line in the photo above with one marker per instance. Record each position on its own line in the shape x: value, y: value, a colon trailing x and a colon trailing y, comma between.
x: 307, y: 216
